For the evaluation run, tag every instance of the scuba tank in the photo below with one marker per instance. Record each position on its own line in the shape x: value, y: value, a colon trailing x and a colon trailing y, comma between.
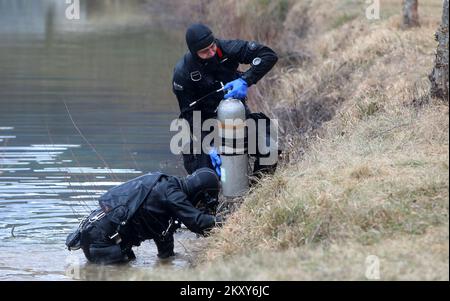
x: 233, y: 150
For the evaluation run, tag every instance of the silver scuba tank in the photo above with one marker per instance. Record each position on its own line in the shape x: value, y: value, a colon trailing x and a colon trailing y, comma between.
x: 233, y: 151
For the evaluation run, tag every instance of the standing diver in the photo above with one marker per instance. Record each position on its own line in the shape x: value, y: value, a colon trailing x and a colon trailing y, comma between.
x: 201, y: 72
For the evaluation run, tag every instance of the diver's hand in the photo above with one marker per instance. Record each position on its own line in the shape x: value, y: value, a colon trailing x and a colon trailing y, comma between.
x: 238, y: 89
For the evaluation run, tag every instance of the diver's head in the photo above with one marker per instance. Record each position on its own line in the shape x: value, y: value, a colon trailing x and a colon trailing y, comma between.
x: 200, y: 41
x: 203, y: 185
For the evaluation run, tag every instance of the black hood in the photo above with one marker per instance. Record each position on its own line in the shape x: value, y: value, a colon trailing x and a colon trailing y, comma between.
x: 198, y: 36
x: 203, y: 180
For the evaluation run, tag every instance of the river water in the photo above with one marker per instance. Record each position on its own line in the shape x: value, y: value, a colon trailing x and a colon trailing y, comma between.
x: 84, y: 105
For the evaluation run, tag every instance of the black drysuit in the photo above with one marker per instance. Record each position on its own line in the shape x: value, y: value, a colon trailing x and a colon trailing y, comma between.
x: 194, y: 78
x: 140, y: 209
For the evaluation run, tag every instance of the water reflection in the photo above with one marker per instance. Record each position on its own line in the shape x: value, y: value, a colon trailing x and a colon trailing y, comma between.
x: 84, y: 106
x: 47, y: 17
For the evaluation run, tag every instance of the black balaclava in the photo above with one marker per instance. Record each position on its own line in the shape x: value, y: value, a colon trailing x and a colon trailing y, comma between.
x: 199, y: 36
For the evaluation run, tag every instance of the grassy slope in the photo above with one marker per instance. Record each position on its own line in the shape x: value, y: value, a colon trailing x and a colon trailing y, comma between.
x: 375, y: 179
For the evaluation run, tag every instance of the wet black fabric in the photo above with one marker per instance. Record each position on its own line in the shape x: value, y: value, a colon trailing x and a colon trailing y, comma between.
x: 169, y: 199
x: 73, y: 240
x: 125, y: 199
x: 165, y: 247
x: 97, y: 245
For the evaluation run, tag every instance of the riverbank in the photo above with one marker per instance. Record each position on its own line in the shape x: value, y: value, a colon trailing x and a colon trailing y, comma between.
x: 364, y: 182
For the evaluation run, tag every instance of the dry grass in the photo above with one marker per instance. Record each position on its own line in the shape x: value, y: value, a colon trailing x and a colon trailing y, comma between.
x: 379, y: 171
x: 387, y: 176
x: 260, y: 20
x: 405, y: 257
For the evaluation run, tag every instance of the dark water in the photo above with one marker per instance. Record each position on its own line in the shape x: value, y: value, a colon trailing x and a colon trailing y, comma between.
x: 84, y: 105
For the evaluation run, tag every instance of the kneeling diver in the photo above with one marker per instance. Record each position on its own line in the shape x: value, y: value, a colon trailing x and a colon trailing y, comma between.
x: 148, y: 207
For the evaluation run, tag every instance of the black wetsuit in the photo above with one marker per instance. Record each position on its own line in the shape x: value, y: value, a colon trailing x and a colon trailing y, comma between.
x: 194, y: 78
x: 140, y: 209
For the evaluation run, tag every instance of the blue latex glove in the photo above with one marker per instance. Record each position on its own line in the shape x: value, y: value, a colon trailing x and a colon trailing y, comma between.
x: 215, y: 160
x: 238, y: 89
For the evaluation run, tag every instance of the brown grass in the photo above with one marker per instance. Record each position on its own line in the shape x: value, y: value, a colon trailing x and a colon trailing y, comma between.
x: 405, y: 257
x: 379, y: 170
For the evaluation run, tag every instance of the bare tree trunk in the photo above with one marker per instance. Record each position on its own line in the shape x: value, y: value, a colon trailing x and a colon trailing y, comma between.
x: 439, y: 75
x: 410, y: 13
